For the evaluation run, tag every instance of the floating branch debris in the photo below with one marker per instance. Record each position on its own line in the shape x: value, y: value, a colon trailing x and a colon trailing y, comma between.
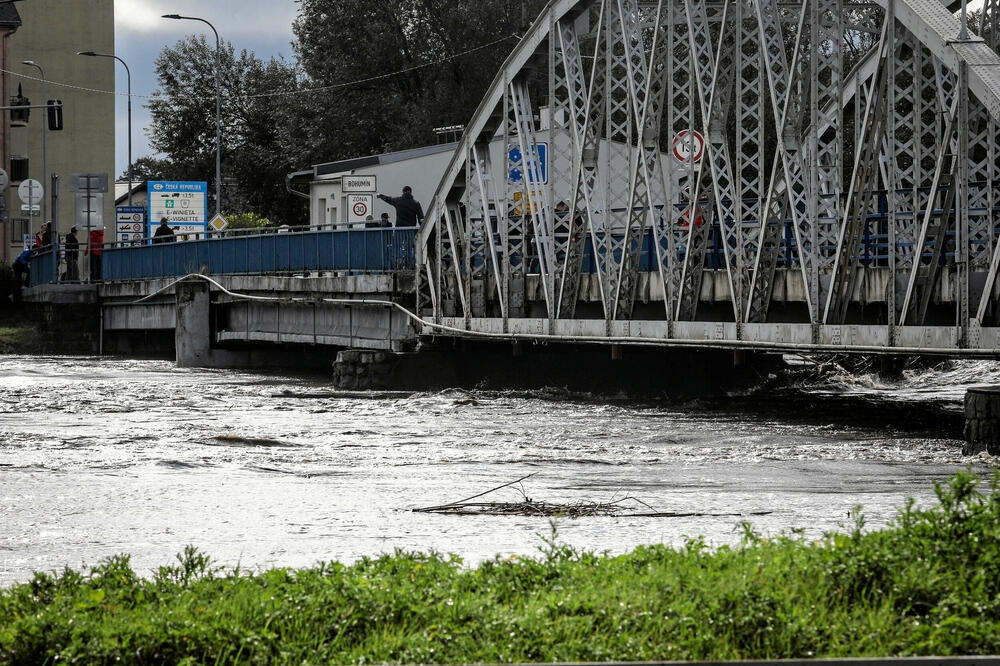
x: 623, y: 507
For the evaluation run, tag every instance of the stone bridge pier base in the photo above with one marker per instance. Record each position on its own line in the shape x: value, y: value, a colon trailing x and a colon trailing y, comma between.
x: 982, y: 420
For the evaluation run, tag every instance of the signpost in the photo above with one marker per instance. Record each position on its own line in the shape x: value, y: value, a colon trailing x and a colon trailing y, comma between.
x: 184, y: 204
x: 130, y: 225
x: 90, y: 189
x: 359, y: 184
x: 359, y: 207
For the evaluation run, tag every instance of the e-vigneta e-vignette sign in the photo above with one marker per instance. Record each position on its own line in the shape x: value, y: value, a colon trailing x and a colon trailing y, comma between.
x: 184, y: 204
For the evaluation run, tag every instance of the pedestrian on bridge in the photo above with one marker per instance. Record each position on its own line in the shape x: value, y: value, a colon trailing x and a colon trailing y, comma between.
x: 95, y: 250
x: 164, y: 234
x: 22, y: 268
x: 72, y: 256
x: 409, y: 212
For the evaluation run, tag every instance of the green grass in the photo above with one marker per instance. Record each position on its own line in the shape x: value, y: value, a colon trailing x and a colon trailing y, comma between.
x: 929, y: 585
x: 18, y: 339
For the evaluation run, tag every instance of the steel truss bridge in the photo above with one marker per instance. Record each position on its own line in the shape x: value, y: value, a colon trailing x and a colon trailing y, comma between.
x: 847, y: 196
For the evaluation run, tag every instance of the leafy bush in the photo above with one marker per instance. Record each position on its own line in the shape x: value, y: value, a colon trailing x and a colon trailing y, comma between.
x: 240, y: 222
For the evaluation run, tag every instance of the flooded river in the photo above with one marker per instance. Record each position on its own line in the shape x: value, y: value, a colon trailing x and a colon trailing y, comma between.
x: 102, y: 456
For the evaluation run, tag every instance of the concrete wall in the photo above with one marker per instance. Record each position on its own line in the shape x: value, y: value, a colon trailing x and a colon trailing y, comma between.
x: 52, y: 33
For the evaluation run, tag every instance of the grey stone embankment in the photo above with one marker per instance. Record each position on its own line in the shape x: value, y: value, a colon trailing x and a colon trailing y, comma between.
x: 982, y: 420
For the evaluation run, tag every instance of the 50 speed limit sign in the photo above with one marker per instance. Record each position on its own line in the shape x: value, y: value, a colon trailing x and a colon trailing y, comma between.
x: 360, y: 206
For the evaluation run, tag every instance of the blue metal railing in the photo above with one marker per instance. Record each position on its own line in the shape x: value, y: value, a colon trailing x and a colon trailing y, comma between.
x: 43, y: 266
x: 359, y: 251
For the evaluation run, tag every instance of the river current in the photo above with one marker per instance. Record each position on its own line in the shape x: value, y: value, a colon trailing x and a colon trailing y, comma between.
x: 107, y: 456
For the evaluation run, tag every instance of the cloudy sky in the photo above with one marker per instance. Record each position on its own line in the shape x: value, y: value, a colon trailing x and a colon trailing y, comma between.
x: 261, y: 26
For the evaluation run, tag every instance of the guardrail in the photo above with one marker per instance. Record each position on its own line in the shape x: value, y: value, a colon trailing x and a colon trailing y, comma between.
x: 354, y: 251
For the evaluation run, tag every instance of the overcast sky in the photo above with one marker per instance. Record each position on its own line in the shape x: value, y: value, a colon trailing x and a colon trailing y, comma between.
x: 261, y: 26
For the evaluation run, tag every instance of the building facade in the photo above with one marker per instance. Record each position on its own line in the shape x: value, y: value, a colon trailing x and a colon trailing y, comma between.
x: 51, y: 34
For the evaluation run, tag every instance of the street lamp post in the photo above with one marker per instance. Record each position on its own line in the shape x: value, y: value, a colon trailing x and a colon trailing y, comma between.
x: 218, y: 108
x: 45, y: 125
x: 128, y: 74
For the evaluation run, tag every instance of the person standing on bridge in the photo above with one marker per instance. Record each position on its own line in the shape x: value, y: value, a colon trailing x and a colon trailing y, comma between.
x: 409, y: 212
x: 72, y: 256
x: 164, y: 234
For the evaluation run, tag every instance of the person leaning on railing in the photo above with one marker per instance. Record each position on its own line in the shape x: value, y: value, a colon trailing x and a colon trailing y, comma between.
x: 22, y: 269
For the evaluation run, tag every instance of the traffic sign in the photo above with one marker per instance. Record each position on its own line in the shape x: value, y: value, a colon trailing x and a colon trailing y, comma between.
x: 218, y: 223
x: 359, y: 207
x: 130, y: 223
x: 359, y: 184
x: 536, y: 165
x: 30, y: 191
x: 184, y: 204
x: 688, y: 146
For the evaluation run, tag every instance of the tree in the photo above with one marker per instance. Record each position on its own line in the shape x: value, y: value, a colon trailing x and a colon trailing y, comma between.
x: 370, y: 76
x: 392, y: 70
x: 183, y: 124
x: 150, y: 168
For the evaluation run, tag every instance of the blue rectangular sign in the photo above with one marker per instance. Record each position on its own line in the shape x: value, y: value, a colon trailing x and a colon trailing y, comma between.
x: 183, y: 203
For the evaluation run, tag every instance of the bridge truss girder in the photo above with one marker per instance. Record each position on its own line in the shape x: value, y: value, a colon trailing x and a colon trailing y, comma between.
x: 817, y: 119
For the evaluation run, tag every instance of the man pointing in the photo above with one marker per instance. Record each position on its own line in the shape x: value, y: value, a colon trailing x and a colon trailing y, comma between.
x: 409, y: 212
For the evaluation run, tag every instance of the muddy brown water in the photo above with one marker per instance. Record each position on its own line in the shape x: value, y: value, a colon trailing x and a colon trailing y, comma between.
x: 100, y: 456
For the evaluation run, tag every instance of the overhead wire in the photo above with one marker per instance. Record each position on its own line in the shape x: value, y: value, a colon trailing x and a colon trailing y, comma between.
x: 291, y: 92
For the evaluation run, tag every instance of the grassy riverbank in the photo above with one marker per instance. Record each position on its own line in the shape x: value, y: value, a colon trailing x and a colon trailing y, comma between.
x: 18, y: 334
x: 930, y: 585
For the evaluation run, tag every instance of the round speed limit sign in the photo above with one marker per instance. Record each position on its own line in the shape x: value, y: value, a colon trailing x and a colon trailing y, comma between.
x: 361, y: 209
x: 688, y: 146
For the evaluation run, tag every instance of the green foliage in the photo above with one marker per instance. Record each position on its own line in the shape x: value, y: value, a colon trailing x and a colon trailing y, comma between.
x: 929, y: 585
x: 240, y: 222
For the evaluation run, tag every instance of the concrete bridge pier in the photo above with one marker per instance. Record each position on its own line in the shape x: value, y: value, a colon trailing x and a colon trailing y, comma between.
x: 982, y: 420
x: 193, y: 331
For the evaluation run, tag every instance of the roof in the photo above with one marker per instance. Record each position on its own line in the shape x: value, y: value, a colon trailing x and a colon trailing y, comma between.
x: 8, y: 15
x: 121, y: 191
x: 344, y: 166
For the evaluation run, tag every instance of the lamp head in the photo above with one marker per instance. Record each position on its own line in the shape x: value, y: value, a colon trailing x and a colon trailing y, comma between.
x: 32, y: 63
x: 86, y: 53
x: 172, y: 16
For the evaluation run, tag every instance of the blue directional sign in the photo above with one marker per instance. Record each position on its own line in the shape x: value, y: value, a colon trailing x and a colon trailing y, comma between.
x: 537, y: 164
x: 184, y: 204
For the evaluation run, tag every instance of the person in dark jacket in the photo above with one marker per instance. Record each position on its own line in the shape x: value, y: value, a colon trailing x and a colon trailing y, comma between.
x: 384, y: 221
x: 164, y: 234
x: 22, y: 267
x: 72, y: 256
x: 409, y: 212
